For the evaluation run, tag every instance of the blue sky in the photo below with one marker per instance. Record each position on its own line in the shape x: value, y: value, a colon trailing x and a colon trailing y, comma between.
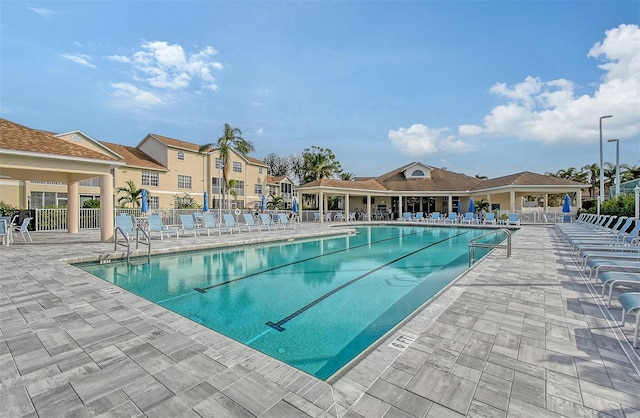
x: 479, y: 87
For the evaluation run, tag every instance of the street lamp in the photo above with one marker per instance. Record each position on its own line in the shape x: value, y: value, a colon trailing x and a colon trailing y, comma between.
x: 601, y: 195
x: 617, y: 141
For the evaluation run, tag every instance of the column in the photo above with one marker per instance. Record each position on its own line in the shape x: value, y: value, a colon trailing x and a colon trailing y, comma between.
x: 106, y: 208
x: 512, y: 201
x: 321, y: 206
x: 346, y: 207
x: 73, y: 207
x: 367, y: 214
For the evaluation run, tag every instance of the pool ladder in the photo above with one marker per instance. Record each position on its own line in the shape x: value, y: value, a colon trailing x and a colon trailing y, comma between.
x: 473, y: 244
x: 127, y: 242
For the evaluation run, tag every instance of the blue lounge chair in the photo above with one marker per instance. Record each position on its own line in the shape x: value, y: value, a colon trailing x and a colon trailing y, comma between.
x: 126, y: 225
x: 419, y: 217
x: 211, y: 223
x: 406, y: 217
x: 490, y: 218
x: 514, y: 219
x: 435, y: 217
x: 230, y: 222
x: 265, y: 220
x: 468, y: 218
x: 188, y: 224
x: 631, y: 302
x: 251, y: 222
x: 155, y: 224
x: 284, y: 221
x: 452, y: 218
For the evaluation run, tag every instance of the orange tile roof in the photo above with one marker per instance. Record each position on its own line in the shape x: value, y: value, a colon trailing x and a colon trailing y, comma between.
x: 134, y: 157
x: 14, y: 136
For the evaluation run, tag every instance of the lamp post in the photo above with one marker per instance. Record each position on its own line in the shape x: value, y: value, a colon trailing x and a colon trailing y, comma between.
x: 601, y: 195
x: 220, y: 165
x: 617, y: 141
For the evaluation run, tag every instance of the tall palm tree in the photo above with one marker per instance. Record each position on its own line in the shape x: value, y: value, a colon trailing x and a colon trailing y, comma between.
x: 347, y: 176
x: 131, y: 194
x: 320, y: 163
x: 593, y: 171
x: 231, y: 139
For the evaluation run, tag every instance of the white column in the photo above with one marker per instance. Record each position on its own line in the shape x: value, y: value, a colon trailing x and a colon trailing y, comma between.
x: 73, y: 207
x: 512, y: 201
x: 321, y: 206
x: 106, y: 208
x: 346, y: 207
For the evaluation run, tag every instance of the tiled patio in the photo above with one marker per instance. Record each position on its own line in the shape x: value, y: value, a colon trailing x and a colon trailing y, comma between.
x: 524, y: 336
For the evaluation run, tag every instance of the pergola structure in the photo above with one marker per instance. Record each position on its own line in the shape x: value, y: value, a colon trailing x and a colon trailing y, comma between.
x: 31, y: 155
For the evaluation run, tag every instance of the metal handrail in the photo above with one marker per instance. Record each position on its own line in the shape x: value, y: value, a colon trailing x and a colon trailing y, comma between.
x: 128, y: 242
x: 473, y: 245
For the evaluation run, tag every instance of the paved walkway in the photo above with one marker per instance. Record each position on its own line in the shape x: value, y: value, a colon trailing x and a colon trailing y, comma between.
x: 524, y: 336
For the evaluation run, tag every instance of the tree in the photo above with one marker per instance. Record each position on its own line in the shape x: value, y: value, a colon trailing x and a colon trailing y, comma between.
x: 230, y: 140
x: 278, y: 166
x: 184, y: 201
x: 297, y: 167
x: 232, y: 185
x: 593, y: 172
x: 275, y: 203
x: 131, y: 194
x: 347, y: 176
x: 319, y: 163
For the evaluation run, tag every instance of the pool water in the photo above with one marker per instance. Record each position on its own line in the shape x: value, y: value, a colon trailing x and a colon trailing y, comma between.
x: 314, y: 304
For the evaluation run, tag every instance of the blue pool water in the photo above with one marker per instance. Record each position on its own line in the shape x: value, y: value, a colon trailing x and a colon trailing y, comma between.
x: 314, y: 304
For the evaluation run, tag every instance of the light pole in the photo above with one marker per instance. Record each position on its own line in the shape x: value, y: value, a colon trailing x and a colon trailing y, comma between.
x: 220, y: 166
x: 617, y: 141
x: 601, y: 195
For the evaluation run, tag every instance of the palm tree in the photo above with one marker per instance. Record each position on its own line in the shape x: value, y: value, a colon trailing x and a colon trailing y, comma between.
x: 275, y: 203
x: 320, y: 163
x: 347, y: 176
x: 593, y: 171
x: 131, y: 193
x: 231, y: 139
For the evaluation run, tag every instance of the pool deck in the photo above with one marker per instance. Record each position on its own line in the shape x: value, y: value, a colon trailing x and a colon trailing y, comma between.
x: 525, y: 336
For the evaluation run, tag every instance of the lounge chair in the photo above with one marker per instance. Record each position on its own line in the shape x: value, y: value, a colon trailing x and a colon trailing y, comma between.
x: 155, y: 224
x: 406, y: 217
x: 631, y: 302
x: 251, y: 222
x: 211, y: 223
x: 188, y: 224
x: 468, y: 218
x: 614, y: 278
x: 419, y: 217
x: 490, y: 218
x: 284, y: 221
x: 230, y: 222
x: 514, y: 219
x: 126, y: 225
x: 452, y: 218
x: 435, y: 217
x: 4, y: 232
x: 265, y: 220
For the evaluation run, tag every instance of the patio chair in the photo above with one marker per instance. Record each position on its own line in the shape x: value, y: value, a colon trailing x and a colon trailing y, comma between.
x: 155, y: 224
x: 4, y: 232
x: 468, y: 218
x: 452, y: 218
x: 327, y: 217
x: 284, y: 221
x: 406, y: 216
x: 514, y: 219
x: 631, y: 302
x: 339, y: 217
x: 230, y: 222
x: 188, y: 224
x: 251, y: 222
x: 265, y: 220
x: 490, y: 218
x: 435, y: 217
x: 419, y: 217
x: 125, y: 224
x: 316, y: 217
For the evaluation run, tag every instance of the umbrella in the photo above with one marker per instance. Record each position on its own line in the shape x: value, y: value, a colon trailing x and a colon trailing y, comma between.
x: 472, y: 206
x: 566, y: 204
x: 294, y: 207
x: 145, y: 204
x: 206, y: 202
x: 263, y: 204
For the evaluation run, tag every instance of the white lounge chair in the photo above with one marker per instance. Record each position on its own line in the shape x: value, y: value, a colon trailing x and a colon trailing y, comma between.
x: 284, y: 221
x: 514, y: 219
x: 490, y: 218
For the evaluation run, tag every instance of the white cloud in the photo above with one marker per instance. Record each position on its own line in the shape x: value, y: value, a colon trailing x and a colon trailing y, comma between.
x: 420, y: 140
x: 256, y: 104
x: 260, y: 131
x: 550, y: 111
x: 79, y: 59
x: 166, y: 66
x: 41, y: 11
x: 119, y: 58
x: 133, y: 96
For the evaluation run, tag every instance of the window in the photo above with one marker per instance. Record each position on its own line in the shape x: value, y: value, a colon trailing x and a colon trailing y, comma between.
x: 43, y: 200
x: 218, y: 163
x: 259, y: 170
x: 285, y: 190
x: 184, y: 182
x: 272, y: 190
x: 417, y: 173
x: 154, y: 202
x: 257, y: 189
x: 237, y: 167
x: 180, y: 155
x: 239, y: 189
x: 216, y: 185
x: 150, y: 178
x: 93, y: 182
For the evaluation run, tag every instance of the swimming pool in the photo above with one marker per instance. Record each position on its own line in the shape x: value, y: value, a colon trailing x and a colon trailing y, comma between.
x: 314, y: 304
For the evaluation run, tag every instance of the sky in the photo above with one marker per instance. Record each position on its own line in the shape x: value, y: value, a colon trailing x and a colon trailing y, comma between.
x: 485, y: 88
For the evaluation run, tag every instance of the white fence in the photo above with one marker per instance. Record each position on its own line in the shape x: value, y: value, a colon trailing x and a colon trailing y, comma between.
x: 56, y: 219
